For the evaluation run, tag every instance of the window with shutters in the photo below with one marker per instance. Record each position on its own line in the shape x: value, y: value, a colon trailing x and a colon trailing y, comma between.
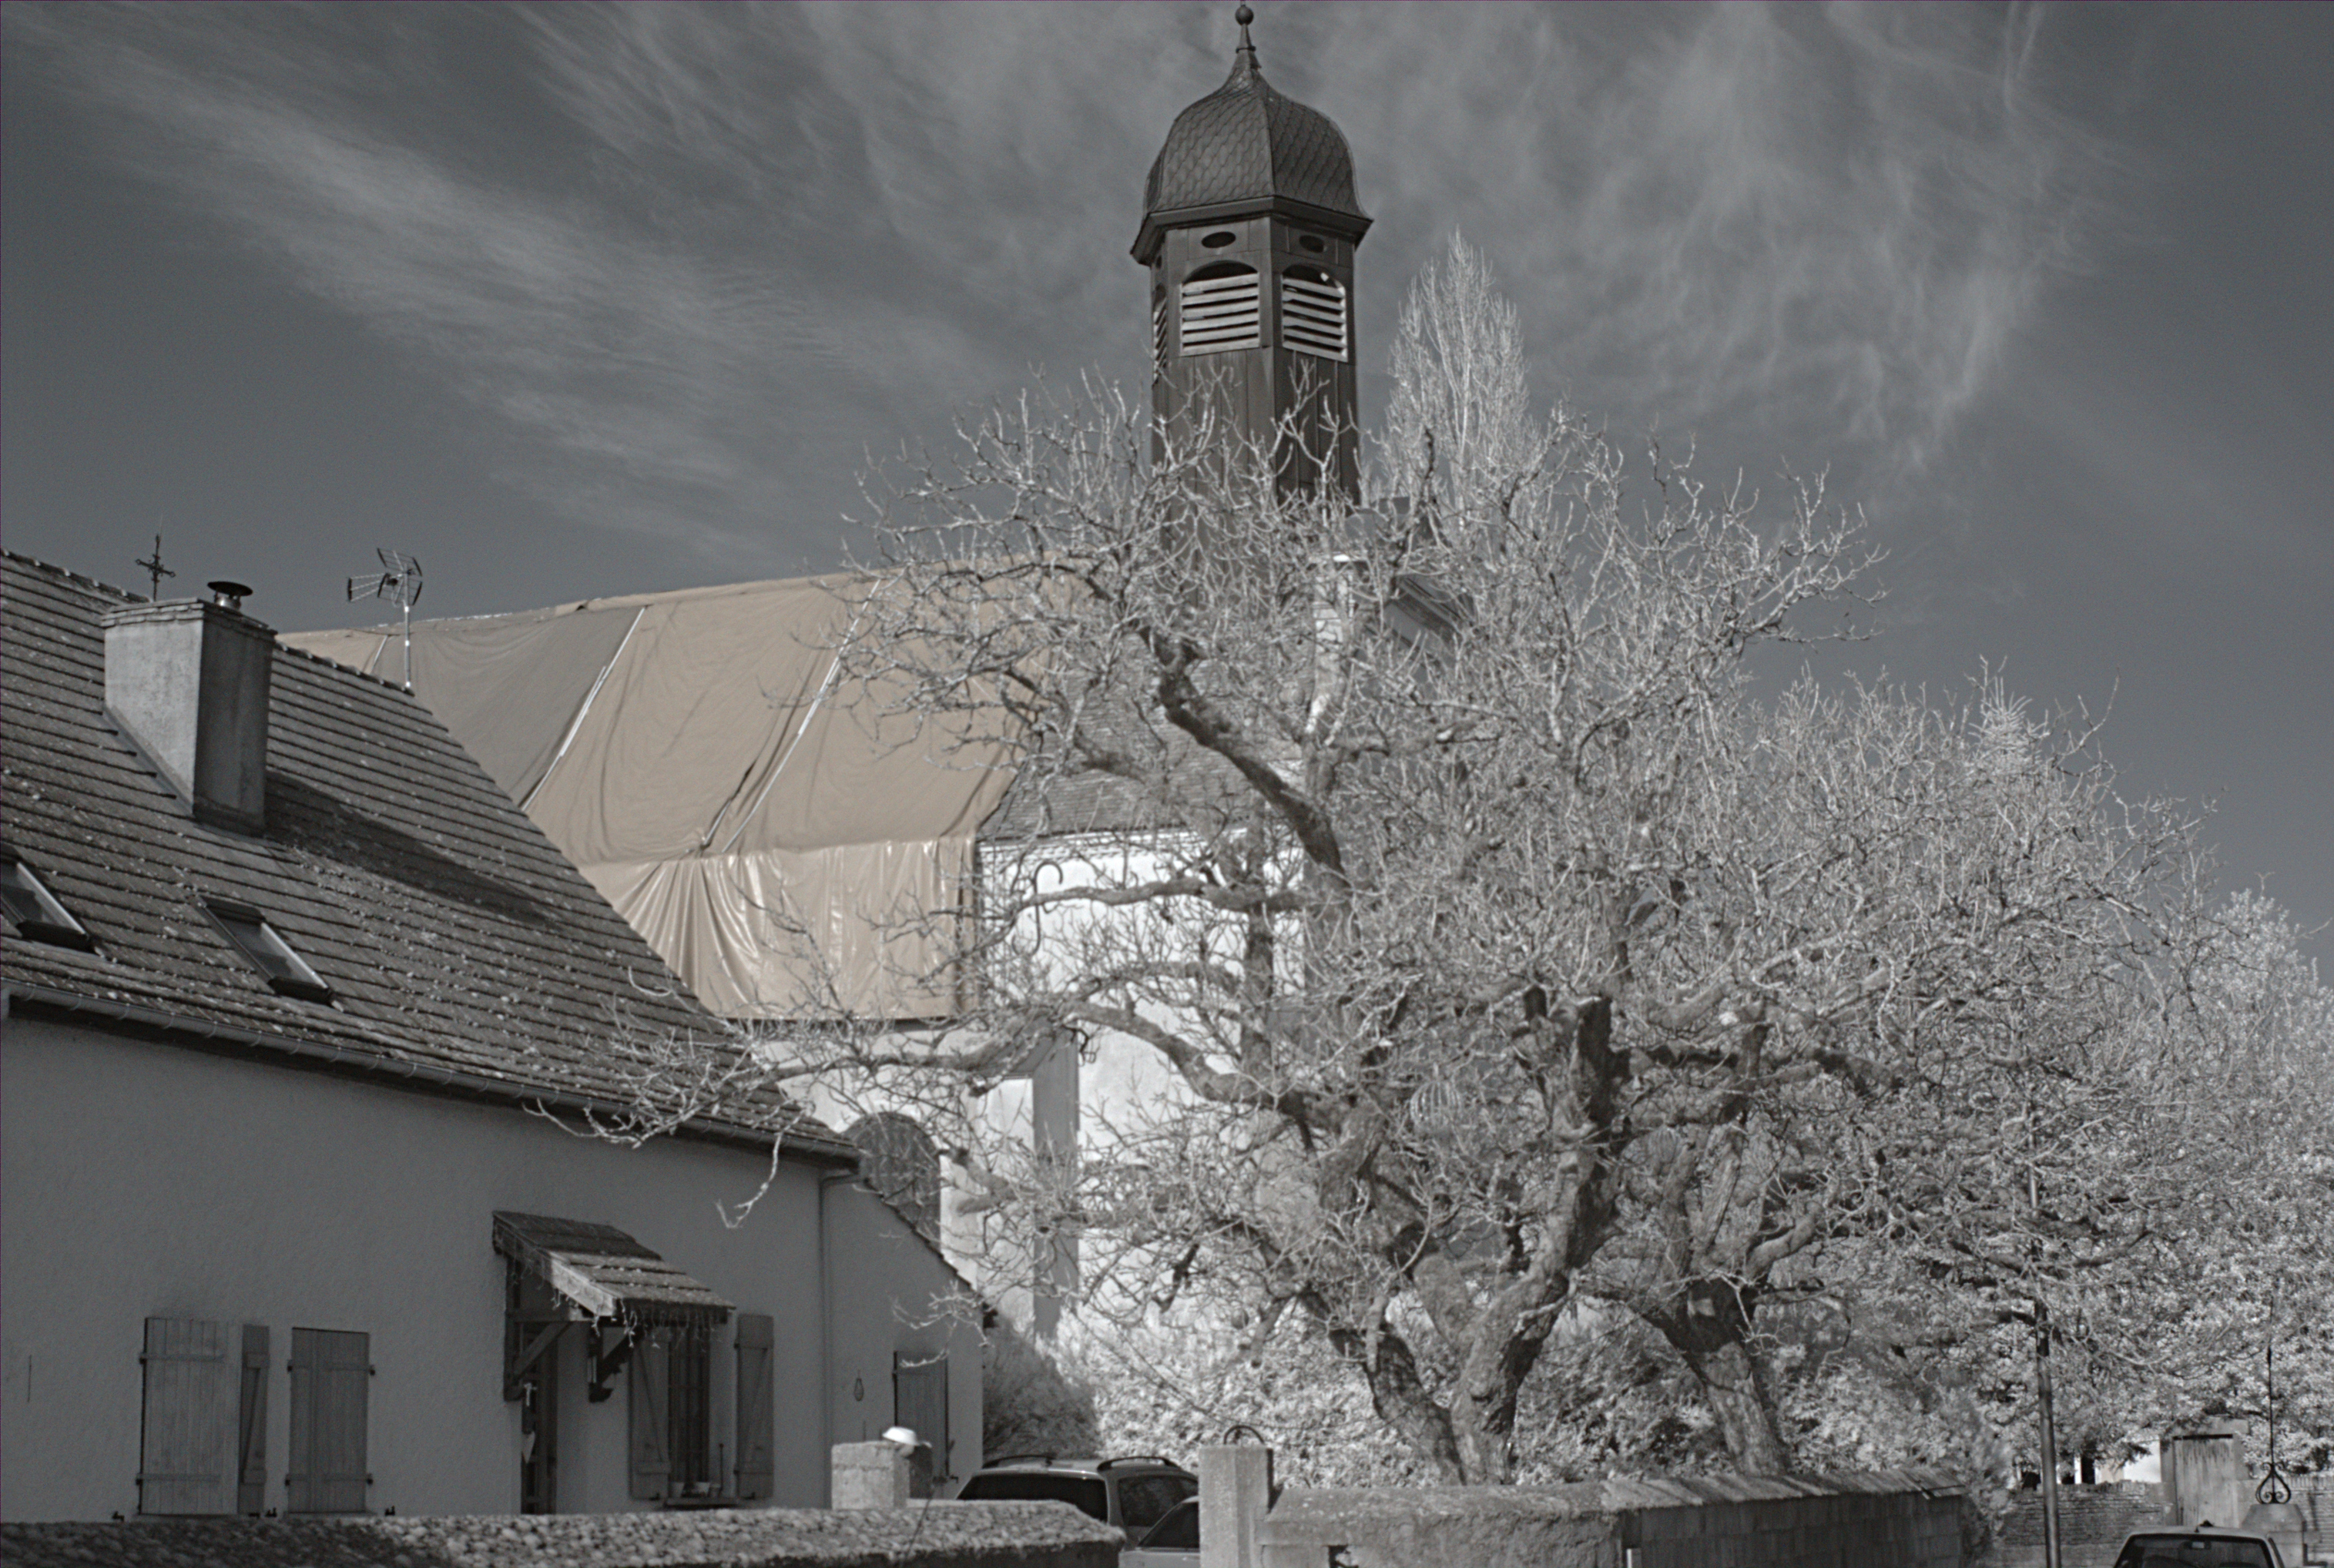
x: 651, y: 1421
x: 186, y: 1461
x: 331, y: 1384
x: 251, y: 1484
x: 671, y: 1392
x: 1158, y: 329
x: 920, y: 1402
x: 756, y: 1407
x: 1313, y: 313
x: 1220, y: 310
x: 690, y: 1368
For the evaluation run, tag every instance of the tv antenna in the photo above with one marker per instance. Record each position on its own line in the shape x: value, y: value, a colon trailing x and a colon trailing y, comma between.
x: 400, y: 578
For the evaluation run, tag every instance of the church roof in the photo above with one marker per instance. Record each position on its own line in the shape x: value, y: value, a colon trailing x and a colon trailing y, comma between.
x: 699, y: 757
x: 1247, y: 143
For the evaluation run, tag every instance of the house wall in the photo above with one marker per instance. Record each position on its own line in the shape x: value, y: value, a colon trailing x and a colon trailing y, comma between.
x: 146, y: 1179
x: 877, y: 1258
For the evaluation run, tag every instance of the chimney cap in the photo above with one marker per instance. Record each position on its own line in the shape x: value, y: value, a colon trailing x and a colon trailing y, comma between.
x: 231, y: 594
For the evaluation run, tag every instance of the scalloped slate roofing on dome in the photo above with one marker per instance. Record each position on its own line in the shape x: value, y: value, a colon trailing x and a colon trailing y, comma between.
x: 1245, y: 141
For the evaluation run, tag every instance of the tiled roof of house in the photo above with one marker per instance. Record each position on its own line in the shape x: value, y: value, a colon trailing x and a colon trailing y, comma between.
x: 461, y: 946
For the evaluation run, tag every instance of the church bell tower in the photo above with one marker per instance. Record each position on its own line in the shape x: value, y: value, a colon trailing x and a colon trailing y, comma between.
x: 1249, y: 225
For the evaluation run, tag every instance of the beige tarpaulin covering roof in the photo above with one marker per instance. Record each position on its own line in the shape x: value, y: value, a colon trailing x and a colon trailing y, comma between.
x: 693, y: 752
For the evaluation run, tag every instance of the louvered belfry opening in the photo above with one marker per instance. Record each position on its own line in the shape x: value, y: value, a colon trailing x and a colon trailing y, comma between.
x: 1251, y: 186
x: 1221, y: 310
x: 1313, y: 313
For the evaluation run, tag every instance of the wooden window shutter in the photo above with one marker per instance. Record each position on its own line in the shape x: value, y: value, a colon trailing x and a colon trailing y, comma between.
x: 757, y: 1416
x: 651, y: 1456
x: 251, y: 1489
x: 185, y: 1456
x: 920, y: 1402
x: 331, y: 1378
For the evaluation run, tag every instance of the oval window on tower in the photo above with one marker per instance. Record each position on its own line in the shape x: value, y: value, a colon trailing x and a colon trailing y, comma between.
x: 1220, y: 310
x: 1313, y: 242
x: 1313, y: 313
x: 1220, y: 239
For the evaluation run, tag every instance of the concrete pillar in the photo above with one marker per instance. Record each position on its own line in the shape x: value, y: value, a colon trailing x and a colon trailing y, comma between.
x: 1235, y: 1493
x: 2282, y: 1523
x: 2204, y: 1476
x: 870, y: 1475
x: 1053, y: 1138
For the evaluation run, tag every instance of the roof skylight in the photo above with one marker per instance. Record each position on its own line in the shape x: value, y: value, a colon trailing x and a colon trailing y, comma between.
x: 38, y: 917
x: 287, y: 973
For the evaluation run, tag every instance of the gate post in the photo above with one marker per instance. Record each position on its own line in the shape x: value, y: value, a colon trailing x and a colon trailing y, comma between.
x: 1235, y: 1492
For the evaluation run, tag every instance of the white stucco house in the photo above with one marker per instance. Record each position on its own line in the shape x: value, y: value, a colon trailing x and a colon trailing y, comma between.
x: 301, y: 1016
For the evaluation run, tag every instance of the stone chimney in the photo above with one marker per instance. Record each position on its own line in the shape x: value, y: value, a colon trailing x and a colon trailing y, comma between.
x: 186, y: 682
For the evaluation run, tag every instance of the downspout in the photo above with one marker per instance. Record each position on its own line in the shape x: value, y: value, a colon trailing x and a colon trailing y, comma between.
x: 829, y: 1389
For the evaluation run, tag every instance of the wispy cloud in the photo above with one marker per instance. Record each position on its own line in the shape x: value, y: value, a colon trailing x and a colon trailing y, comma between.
x: 1825, y: 224
x: 690, y: 259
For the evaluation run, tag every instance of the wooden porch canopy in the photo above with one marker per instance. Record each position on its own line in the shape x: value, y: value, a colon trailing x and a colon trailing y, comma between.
x: 606, y: 1274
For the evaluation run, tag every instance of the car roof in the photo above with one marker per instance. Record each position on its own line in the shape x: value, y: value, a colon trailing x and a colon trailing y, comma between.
x: 1133, y: 1464
x: 2210, y: 1531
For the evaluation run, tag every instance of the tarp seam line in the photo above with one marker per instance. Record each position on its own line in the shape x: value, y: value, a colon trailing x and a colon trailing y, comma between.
x: 835, y: 668
x: 591, y: 697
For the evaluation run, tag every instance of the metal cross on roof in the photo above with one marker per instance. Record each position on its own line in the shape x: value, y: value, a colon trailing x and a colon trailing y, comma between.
x: 155, y: 570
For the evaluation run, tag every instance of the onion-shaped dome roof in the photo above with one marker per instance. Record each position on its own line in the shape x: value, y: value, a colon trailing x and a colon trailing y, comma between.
x: 1245, y: 142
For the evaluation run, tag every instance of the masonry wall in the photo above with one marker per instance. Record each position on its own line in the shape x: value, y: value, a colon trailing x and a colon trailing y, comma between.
x: 143, y: 1180
x: 1901, y: 1530
x: 1889, y: 1520
x: 2094, y: 1520
x: 946, y: 1536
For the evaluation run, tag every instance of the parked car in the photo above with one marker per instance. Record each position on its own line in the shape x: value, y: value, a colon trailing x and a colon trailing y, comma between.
x: 1133, y: 1493
x: 2201, y: 1547
x: 1173, y: 1542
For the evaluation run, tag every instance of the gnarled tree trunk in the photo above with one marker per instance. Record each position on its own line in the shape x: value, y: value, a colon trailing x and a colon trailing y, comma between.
x: 1710, y: 1326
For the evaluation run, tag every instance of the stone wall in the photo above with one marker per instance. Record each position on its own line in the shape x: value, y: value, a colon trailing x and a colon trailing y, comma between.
x: 1870, y: 1521
x: 2094, y: 1520
x: 1405, y: 1526
x: 2314, y: 1495
x: 1887, y: 1520
x: 934, y: 1535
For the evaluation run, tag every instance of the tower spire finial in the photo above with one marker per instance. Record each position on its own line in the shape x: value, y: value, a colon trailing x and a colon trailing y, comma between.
x: 1247, y: 44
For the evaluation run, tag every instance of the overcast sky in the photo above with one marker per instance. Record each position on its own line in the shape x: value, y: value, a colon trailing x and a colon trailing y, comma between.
x: 571, y: 302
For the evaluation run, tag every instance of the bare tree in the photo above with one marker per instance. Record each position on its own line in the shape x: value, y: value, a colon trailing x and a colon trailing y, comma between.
x: 1462, y: 936
x: 1460, y: 415
x: 1497, y: 947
